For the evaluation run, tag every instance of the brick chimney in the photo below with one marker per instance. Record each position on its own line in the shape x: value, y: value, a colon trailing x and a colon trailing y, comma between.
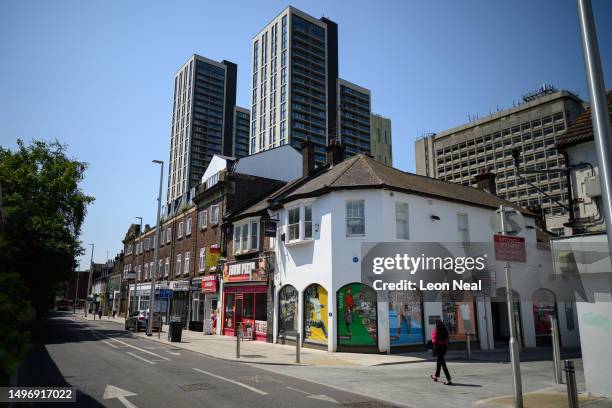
x: 486, y: 181
x: 335, y: 152
x: 308, y: 159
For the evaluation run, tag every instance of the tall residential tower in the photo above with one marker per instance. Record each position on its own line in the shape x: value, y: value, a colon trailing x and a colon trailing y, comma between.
x: 293, y: 84
x: 202, y: 122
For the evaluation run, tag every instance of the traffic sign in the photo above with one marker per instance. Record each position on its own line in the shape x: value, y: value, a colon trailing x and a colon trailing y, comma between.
x: 514, y: 221
x: 510, y: 249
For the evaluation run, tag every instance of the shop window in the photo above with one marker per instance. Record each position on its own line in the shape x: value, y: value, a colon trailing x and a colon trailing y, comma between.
x: 288, y: 306
x: 459, y: 317
x: 315, y: 314
x: 405, y: 318
x: 357, y: 315
x: 544, y: 307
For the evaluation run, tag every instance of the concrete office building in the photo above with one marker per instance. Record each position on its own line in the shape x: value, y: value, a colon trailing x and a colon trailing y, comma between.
x: 294, y: 75
x: 459, y: 154
x: 354, y: 106
x: 242, y: 119
x: 202, y: 122
x: 380, y: 139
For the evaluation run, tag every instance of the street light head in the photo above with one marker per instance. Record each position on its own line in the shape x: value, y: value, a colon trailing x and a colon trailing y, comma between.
x: 158, y: 161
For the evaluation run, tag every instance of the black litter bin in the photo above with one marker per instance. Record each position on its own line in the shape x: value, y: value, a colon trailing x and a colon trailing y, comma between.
x: 175, y: 331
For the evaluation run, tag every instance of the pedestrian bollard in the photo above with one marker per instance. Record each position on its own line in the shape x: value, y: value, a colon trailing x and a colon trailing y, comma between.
x: 297, y: 347
x: 556, y: 351
x: 468, y: 345
x: 570, y: 379
x: 238, y: 340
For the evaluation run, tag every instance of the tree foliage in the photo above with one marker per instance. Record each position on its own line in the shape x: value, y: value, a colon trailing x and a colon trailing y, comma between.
x: 43, y: 209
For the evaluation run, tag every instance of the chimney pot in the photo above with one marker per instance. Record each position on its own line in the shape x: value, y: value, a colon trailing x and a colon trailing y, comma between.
x: 308, y: 159
x: 335, y: 152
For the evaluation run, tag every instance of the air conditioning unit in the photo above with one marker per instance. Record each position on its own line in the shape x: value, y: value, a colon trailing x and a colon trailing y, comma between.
x: 592, y: 187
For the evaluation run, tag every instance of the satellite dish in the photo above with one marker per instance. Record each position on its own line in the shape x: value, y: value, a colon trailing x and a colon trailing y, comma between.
x: 514, y: 221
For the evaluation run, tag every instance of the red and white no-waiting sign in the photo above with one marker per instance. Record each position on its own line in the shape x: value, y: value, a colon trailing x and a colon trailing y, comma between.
x: 511, y: 249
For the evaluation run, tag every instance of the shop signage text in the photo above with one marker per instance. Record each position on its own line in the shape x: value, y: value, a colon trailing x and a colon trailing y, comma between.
x: 209, y: 284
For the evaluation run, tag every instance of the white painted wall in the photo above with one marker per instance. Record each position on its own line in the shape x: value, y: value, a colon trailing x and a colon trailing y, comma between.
x: 282, y: 163
x: 312, y: 262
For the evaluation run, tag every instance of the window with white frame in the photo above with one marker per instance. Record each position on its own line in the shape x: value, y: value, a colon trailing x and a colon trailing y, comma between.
x: 188, y: 227
x: 401, y: 221
x: 307, y: 222
x: 162, y: 238
x: 179, y: 232
x: 202, y: 258
x: 139, y: 272
x: 463, y: 227
x: 254, y: 235
x: 293, y: 224
x: 214, y: 214
x: 178, y: 264
x: 160, y: 268
x: 153, y: 242
x: 151, y: 265
x: 246, y: 236
x: 168, y: 235
x: 202, y: 219
x: 187, y: 256
x: 167, y: 269
x: 146, y: 271
x: 355, y: 218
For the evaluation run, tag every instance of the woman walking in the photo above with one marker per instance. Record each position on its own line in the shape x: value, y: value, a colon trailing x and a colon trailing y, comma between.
x: 439, y: 338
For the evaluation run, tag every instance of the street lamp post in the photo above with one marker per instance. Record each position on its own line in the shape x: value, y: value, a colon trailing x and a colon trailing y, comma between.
x: 90, y: 277
x: 599, y: 108
x: 154, y: 271
x: 138, y: 275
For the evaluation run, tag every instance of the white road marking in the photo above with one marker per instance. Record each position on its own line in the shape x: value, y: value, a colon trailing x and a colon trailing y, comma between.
x: 140, y: 358
x: 248, y: 387
x: 136, y: 348
x: 321, y: 397
x: 173, y: 353
x: 110, y: 344
x: 111, y: 392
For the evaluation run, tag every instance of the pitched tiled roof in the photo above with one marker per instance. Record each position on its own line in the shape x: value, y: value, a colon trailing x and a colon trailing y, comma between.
x: 362, y: 171
x: 582, y: 129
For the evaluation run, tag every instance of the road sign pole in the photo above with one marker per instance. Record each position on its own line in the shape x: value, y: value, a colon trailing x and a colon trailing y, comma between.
x: 514, y: 352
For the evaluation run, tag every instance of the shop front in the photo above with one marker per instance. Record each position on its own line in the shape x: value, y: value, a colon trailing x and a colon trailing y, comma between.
x: 209, y: 298
x: 245, y: 299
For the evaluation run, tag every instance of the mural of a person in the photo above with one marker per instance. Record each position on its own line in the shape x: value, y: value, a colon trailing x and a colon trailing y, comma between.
x: 317, y: 309
x: 350, y: 307
x: 403, y: 315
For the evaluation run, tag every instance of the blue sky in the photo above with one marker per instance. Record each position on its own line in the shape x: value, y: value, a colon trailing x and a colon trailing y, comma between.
x: 97, y: 75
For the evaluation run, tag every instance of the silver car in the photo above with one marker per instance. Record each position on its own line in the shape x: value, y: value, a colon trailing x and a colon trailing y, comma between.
x: 140, y: 319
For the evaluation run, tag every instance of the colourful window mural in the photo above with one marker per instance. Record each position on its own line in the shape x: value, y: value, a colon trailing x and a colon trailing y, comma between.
x: 288, y: 306
x: 315, y: 314
x: 357, y: 325
x: 405, y: 319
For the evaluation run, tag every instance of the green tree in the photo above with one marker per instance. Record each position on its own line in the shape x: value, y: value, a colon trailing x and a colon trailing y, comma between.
x: 43, y: 209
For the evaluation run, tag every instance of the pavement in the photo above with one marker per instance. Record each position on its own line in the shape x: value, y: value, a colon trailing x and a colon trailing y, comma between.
x: 350, y: 379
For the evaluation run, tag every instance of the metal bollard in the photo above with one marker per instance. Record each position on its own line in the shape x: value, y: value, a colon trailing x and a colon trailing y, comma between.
x: 238, y: 340
x: 556, y: 351
x: 297, y: 347
x: 570, y: 377
x: 468, y: 345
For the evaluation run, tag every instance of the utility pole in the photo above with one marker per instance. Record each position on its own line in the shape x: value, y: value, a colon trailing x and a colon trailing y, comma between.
x: 90, y: 277
x: 599, y: 108
x: 517, y: 386
x: 157, y: 235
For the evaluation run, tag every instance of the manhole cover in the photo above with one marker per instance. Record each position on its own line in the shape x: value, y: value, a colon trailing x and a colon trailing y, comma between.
x: 252, y: 355
x: 367, y: 404
x: 196, y: 387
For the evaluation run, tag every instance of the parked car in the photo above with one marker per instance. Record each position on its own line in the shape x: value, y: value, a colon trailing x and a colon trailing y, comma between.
x: 63, y: 305
x: 140, y: 318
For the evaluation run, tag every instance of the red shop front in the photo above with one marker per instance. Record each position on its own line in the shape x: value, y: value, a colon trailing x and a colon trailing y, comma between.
x: 245, y: 300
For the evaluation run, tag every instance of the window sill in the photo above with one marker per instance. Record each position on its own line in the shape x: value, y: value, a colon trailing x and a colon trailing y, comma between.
x: 297, y: 242
x: 250, y: 251
x: 356, y: 237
